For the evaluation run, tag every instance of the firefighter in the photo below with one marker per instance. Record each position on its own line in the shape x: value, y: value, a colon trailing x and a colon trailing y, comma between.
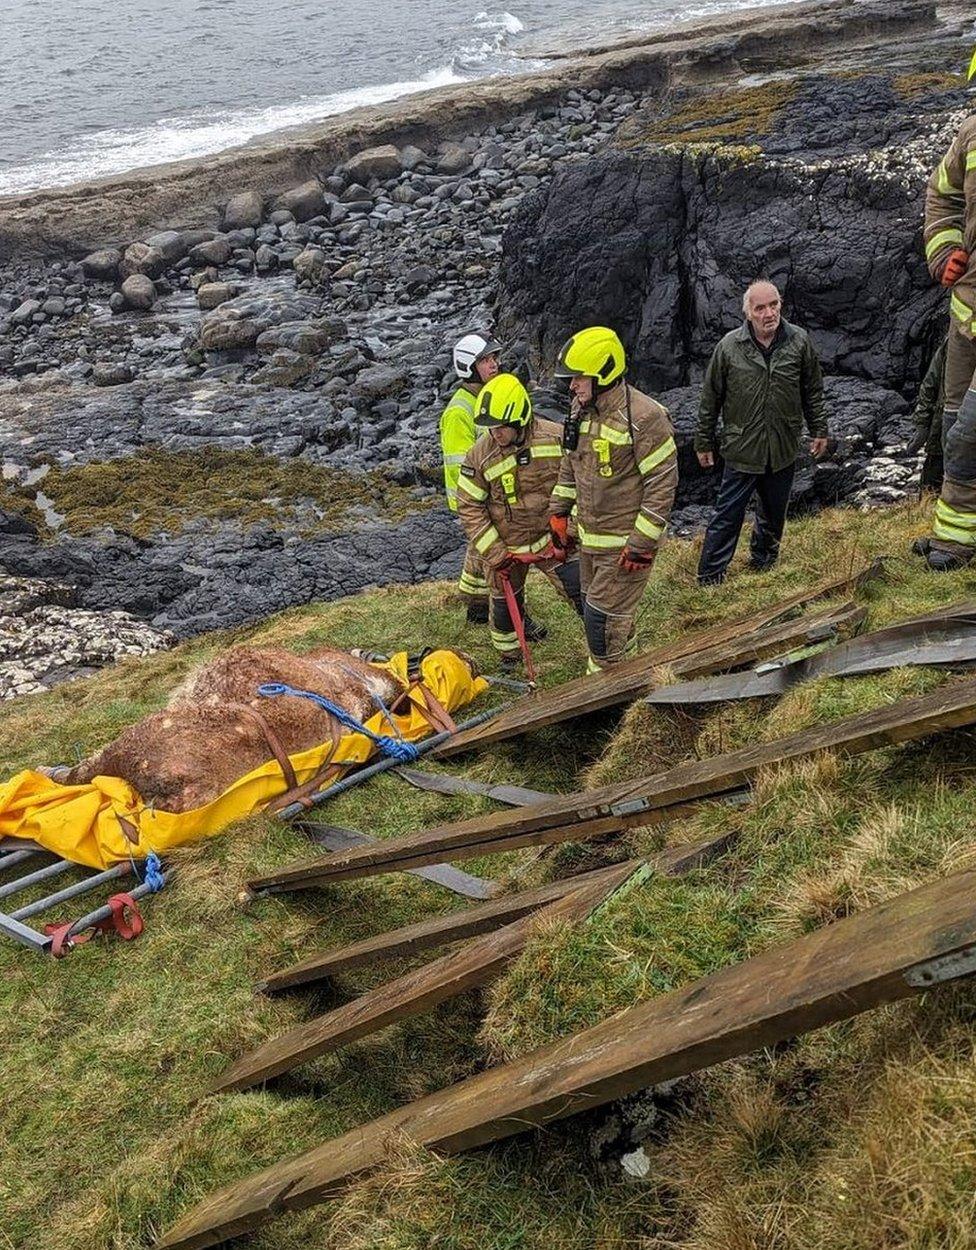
x: 475, y: 362
x: 504, y: 487
x: 620, y: 473
x: 950, y: 249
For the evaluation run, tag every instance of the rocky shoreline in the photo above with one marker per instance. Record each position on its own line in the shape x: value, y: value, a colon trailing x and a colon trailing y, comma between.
x: 293, y: 355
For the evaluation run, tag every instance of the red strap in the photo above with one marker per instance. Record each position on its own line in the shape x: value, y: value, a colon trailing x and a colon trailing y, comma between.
x: 126, y: 920
x: 518, y: 624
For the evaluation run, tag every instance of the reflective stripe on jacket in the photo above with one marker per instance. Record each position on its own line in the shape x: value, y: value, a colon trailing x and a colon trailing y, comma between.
x: 950, y: 220
x: 763, y: 402
x: 503, y: 492
x: 458, y: 435
x: 623, y: 474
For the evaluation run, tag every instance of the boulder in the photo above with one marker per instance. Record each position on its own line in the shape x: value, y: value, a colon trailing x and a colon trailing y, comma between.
x: 112, y: 374
x: 102, y: 265
x: 453, y: 159
x: 170, y: 244
x: 308, y: 338
x: 411, y: 157
x: 285, y: 368
x: 23, y: 314
x: 216, y: 251
x: 213, y: 294
x: 243, y: 210
x: 141, y: 258
x: 265, y: 258
x: 378, y: 381
x: 381, y: 162
x: 138, y: 292
x: 303, y: 202
x: 310, y: 266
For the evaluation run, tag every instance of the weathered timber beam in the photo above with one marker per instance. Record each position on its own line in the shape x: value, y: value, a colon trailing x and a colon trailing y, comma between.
x: 474, y: 964
x: 645, y: 800
x: 470, y: 922
x: 877, y: 956
x: 627, y: 681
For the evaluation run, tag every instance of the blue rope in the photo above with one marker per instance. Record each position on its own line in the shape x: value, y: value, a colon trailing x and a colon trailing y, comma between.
x: 405, y: 752
x: 153, y: 878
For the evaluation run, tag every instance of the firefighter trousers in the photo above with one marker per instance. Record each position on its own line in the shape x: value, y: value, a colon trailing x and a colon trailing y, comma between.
x: 610, y: 600
x: 954, y: 527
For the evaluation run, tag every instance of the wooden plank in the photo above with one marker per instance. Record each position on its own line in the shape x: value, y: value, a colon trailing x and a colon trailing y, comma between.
x: 471, y: 921
x: 425, y: 934
x: 643, y: 801
x: 827, y: 976
x: 476, y: 963
x: 627, y: 681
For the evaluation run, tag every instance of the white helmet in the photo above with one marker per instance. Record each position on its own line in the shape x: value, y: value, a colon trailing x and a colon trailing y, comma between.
x: 469, y: 350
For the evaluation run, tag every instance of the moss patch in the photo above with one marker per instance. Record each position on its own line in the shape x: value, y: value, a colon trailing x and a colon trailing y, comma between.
x: 160, y: 491
x: 715, y: 117
x: 914, y: 86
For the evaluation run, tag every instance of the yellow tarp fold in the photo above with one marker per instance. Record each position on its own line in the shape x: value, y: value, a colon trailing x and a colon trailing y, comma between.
x: 82, y: 823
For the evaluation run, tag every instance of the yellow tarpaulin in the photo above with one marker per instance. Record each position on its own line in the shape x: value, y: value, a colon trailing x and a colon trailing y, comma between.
x: 82, y: 823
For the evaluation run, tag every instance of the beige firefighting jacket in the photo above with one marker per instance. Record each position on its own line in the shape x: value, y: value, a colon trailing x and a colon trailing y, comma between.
x: 503, y: 492
x: 950, y: 220
x: 623, y: 475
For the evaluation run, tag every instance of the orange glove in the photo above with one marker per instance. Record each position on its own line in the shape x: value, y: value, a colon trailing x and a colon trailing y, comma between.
x: 559, y: 532
x: 955, y: 267
x: 635, y: 561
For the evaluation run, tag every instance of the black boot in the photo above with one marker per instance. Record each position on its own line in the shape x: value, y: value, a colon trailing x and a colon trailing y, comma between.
x: 478, y: 612
x: 944, y: 561
x: 920, y: 547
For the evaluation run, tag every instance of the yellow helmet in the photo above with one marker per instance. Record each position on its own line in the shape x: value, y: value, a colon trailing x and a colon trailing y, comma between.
x: 595, y: 353
x: 503, y: 401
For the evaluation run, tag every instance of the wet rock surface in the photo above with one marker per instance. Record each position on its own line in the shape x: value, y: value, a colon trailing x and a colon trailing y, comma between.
x: 315, y: 325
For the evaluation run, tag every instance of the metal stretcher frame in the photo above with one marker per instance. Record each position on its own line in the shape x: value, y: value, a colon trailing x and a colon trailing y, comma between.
x: 12, y: 923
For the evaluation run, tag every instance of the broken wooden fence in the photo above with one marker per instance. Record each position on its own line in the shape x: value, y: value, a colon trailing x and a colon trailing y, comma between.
x: 691, y: 655
x: 474, y: 964
x: 899, y: 948
x: 644, y: 801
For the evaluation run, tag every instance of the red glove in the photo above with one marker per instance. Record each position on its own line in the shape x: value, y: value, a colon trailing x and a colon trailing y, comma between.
x: 559, y: 530
x: 635, y: 561
x: 955, y: 267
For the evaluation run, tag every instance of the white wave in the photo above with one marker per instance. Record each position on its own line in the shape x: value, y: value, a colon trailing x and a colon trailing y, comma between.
x: 497, y: 28
x: 507, y: 22
x: 198, y: 134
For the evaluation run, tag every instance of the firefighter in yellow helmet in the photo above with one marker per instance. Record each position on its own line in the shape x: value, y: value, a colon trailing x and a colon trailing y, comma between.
x: 950, y: 249
x: 504, y: 487
x: 475, y: 362
x: 620, y: 472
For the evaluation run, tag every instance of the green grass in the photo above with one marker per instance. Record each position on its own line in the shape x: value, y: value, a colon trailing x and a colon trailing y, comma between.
x: 857, y: 1137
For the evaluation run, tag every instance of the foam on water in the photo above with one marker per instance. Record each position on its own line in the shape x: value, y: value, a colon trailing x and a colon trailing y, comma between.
x: 196, y: 134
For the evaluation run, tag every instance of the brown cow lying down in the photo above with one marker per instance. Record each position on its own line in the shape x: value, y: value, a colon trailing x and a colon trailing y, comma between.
x: 188, y: 754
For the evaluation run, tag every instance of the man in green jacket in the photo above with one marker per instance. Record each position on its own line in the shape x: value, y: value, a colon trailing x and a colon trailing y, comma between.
x: 765, y: 381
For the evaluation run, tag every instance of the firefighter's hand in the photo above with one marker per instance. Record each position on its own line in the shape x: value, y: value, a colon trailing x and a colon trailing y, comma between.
x: 918, y: 441
x: 635, y: 561
x: 706, y: 459
x: 559, y: 533
x: 955, y: 267
x: 504, y: 564
x: 817, y: 447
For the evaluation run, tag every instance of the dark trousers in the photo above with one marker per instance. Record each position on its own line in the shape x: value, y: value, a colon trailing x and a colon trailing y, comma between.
x: 722, y: 535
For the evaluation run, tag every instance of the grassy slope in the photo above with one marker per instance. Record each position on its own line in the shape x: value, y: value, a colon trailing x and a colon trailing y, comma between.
x: 860, y: 1136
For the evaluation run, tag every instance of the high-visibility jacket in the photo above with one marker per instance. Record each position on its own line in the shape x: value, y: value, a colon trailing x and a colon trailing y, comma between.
x: 623, y: 475
x: 503, y: 492
x: 458, y: 435
x: 950, y: 220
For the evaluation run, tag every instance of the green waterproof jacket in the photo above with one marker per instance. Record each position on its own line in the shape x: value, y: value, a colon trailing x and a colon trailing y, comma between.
x: 763, y: 404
